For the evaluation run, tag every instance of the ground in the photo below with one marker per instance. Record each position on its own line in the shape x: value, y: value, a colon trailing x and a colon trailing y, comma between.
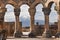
x: 35, y: 39
x: 27, y: 38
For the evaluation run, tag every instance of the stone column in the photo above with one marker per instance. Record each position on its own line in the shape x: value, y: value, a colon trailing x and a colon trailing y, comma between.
x: 59, y: 22
x: 58, y: 31
x: 18, y: 29
x: 46, y: 22
x: 31, y: 23
x: 20, y: 24
x: 46, y: 32
x: 32, y: 14
x: 2, y: 13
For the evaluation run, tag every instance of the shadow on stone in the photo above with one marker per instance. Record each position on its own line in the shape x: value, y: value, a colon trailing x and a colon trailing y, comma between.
x: 57, y: 35
x: 3, y: 34
x: 32, y: 35
x: 18, y: 34
x: 47, y: 34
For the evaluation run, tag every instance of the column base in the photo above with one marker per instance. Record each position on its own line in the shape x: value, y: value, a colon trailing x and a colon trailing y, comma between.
x: 18, y: 34
x: 47, y: 34
x: 32, y: 35
x: 57, y: 35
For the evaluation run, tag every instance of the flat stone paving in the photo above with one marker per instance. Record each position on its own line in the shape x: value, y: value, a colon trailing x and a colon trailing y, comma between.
x: 27, y: 38
x: 33, y: 38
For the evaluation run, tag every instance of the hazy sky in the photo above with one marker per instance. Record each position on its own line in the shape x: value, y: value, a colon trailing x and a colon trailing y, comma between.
x: 39, y: 15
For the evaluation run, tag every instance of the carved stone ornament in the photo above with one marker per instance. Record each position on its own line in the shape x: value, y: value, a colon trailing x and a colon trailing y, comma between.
x: 17, y: 11
x: 46, y: 11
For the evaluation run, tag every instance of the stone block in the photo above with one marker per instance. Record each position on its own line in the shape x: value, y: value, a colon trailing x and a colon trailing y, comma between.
x: 47, y: 34
x: 32, y: 35
x: 18, y: 34
x: 57, y: 35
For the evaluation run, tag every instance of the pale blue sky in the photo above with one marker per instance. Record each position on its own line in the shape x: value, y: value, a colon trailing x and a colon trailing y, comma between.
x: 9, y: 16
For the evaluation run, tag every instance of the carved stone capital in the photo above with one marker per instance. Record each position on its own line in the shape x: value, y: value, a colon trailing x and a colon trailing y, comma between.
x: 32, y: 11
x: 17, y: 11
x: 46, y: 11
x: 2, y: 13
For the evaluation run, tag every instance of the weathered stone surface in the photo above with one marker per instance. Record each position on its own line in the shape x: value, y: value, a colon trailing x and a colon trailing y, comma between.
x: 46, y: 11
x: 57, y: 35
x: 34, y: 39
x: 31, y: 3
x: 17, y: 1
x: 17, y: 11
x: 47, y: 34
x: 18, y: 34
x: 58, y: 31
x: 32, y: 35
x: 2, y: 35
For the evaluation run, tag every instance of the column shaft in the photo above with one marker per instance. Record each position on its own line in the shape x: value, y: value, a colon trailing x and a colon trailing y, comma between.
x: 18, y: 30
x: 17, y: 23
x: 58, y: 31
x: 58, y: 10
x: 32, y: 29
x: 46, y: 22
x: 47, y: 32
x: 17, y: 13
x: 31, y: 23
x: 0, y: 25
x: 59, y: 23
x: 32, y: 14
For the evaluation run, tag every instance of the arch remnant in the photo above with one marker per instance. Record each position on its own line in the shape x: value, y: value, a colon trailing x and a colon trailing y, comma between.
x: 32, y: 10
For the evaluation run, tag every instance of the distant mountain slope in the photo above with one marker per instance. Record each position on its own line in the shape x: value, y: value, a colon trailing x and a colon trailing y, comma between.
x: 26, y: 21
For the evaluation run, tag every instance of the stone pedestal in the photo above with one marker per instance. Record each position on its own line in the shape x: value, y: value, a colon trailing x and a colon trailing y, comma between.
x: 47, y: 32
x: 18, y: 32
